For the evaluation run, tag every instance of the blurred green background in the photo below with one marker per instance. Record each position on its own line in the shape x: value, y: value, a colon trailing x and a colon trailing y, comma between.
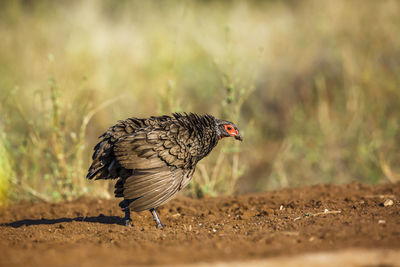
x: 314, y: 87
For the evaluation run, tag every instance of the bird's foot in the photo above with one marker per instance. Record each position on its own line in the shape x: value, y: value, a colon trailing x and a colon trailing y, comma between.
x: 159, y: 224
x: 127, y: 218
x: 128, y: 223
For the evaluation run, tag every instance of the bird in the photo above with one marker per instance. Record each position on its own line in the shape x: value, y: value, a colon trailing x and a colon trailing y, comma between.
x: 154, y: 158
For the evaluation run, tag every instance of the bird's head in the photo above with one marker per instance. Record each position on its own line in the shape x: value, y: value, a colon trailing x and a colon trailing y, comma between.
x: 227, y: 129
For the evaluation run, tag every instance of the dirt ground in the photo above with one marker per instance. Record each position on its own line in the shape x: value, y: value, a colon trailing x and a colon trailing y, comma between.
x: 354, y: 221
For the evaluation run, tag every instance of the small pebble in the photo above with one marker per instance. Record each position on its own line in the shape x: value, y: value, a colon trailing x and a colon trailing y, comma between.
x: 381, y: 222
x: 388, y: 202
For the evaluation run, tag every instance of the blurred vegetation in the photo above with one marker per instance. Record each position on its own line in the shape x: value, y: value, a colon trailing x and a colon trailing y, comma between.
x: 313, y: 86
x: 6, y: 173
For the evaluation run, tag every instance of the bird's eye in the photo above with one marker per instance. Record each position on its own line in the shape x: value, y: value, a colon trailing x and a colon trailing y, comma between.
x: 229, y: 128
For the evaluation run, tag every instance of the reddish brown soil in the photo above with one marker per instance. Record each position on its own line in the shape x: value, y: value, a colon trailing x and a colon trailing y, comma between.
x: 89, y: 232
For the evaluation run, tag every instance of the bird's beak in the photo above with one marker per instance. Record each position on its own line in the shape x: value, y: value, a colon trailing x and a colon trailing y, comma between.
x: 239, y: 137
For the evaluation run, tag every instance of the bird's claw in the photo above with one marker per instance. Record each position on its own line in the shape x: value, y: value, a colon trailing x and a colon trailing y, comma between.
x: 128, y: 223
x: 159, y: 225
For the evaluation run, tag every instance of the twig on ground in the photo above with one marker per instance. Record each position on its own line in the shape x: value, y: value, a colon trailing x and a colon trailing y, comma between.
x: 309, y: 214
x: 327, y: 212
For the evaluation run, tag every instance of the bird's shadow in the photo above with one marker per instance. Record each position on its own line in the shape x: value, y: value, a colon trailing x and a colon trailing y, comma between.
x: 95, y: 219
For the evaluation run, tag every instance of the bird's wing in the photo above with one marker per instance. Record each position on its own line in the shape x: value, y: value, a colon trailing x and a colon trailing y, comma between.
x: 157, y: 161
x: 152, y: 188
x: 103, y: 165
x: 151, y: 147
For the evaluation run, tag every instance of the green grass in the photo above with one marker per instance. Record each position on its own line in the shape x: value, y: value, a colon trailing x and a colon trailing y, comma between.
x: 313, y: 87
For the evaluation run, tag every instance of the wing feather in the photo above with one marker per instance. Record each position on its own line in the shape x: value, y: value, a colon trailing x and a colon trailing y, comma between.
x: 132, y: 155
x: 155, y: 177
x: 159, y: 164
x: 151, y: 190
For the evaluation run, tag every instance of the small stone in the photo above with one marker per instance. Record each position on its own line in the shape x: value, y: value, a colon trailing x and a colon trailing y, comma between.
x: 381, y: 222
x: 214, y: 230
x: 388, y: 202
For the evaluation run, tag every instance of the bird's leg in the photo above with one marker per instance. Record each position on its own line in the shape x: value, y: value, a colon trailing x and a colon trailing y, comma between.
x: 156, y: 219
x: 127, y: 218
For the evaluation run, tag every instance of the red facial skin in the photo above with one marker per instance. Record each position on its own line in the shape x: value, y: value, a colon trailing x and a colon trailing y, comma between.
x: 230, y: 130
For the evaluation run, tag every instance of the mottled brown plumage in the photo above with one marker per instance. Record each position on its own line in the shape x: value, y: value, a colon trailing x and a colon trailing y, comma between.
x: 154, y: 158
